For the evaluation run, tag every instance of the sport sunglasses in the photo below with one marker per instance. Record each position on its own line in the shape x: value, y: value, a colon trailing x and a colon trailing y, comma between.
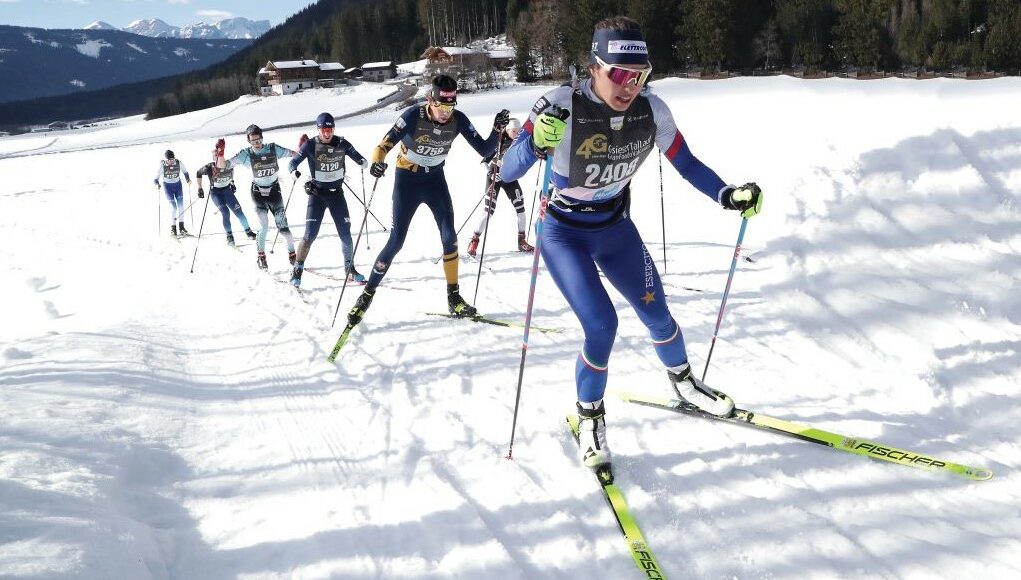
x: 624, y: 76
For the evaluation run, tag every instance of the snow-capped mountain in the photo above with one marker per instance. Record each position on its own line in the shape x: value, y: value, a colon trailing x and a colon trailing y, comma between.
x: 39, y: 63
x: 153, y: 27
x: 100, y: 25
x: 232, y: 28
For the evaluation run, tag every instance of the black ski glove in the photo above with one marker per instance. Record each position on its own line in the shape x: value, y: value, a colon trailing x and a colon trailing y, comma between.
x: 501, y: 120
x: 201, y: 193
x: 377, y: 169
x: 747, y: 199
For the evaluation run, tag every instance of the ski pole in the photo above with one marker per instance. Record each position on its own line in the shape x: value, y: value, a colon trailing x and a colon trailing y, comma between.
x: 277, y: 236
x: 191, y: 216
x: 365, y: 207
x: 159, y: 212
x: 531, y: 213
x: 365, y: 221
x: 543, y: 200
x: 726, y: 292
x: 491, y: 193
x: 662, y: 210
x: 201, y: 224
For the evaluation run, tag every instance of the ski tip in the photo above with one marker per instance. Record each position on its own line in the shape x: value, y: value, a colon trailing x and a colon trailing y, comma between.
x: 979, y: 474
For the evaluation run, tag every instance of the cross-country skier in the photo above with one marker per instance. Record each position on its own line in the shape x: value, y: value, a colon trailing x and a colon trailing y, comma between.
x: 493, y: 186
x: 170, y: 171
x: 222, y: 190
x: 426, y: 134
x: 325, y: 189
x: 612, y: 128
x: 262, y: 158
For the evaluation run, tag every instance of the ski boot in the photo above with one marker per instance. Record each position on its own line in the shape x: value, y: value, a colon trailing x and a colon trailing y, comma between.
x: 250, y: 234
x: 354, y: 276
x: 173, y: 230
x: 296, y: 274
x: 595, y: 452
x: 292, y: 257
x: 695, y: 392
x: 180, y: 229
x: 230, y: 240
x: 261, y: 261
x: 458, y: 307
x: 361, y: 305
x: 523, y: 245
x: 473, y: 245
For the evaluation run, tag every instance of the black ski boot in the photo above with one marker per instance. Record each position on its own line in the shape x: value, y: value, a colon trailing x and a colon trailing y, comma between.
x: 173, y: 230
x: 361, y: 305
x: 458, y: 307
x: 296, y: 274
x: 181, y: 230
x: 250, y: 234
x: 230, y: 240
x: 261, y: 261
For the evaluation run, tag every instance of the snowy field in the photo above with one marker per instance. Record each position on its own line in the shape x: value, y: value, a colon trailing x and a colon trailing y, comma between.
x: 160, y: 424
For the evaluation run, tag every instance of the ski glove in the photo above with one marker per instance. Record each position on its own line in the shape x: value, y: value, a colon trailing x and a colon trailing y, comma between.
x: 747, y: 199
x: 378, y: 169
x: 364, y: 163
x: 501, y: 120
x: 201, y: 193
x: 296, y: 174
x: 549, y: 129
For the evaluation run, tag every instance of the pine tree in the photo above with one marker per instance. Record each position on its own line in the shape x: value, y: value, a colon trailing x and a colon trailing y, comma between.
x: 705, y: 26
x: 859, y: 37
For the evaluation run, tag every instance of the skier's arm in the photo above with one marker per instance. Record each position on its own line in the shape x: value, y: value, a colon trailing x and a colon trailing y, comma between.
x: 282, y: 151
x: 675, y: 148
x: 240, y: 159
x: 405, y: 123
x: 520, y: 157
x: 484, y: 147
x: 353, y: 153
x: 304, y: 152
x: 184, y: 170
x: 159, y: 174
x: 206, y: 170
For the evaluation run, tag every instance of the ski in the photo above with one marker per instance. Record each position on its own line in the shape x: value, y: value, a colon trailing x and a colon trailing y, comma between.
x: 636, y: 544
x: 494, y: 322
x: 836, y: 441
x: 340, y: 343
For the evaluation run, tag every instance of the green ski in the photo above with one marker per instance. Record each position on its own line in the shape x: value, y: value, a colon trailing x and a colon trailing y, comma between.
x: 340, y: 343
x: 837, y: 441
x: 640, y: 551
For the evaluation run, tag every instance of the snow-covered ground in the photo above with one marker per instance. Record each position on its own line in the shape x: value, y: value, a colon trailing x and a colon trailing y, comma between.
x: 160, y: 424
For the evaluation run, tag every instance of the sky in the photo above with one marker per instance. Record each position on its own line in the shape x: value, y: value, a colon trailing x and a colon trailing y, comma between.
x: 120, y: 13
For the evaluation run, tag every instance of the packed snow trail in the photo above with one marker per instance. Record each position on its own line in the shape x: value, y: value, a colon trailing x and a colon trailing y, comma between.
x: 160, y: 424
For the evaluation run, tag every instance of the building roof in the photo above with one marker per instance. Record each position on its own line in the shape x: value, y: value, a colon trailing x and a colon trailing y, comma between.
x: 307, y: 63
x: 383, y: 64
x: 331, y: 66
x: 502, y: 53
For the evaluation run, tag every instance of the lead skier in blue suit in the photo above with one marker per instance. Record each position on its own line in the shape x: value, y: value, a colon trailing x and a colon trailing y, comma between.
x: 613, y: 126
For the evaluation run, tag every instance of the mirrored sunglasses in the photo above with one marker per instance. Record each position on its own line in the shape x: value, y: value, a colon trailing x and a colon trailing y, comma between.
x: 624, y: 76
x: 444, y: 107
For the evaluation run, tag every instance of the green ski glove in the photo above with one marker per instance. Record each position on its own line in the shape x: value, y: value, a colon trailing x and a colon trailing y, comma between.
x: 747, y: 199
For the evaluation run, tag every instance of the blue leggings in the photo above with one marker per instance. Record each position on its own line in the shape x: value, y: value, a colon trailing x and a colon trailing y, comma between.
x: 224, y: 199
x: 571, y: 255
x: 175, y: 195
x: 318, y: 203
x: 411, y: 190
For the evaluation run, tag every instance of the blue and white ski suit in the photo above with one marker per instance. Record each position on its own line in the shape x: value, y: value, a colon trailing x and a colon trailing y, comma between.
x: 588, y: 228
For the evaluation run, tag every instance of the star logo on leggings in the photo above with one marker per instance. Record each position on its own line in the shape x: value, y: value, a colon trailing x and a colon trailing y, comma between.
x: 649, y: 297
